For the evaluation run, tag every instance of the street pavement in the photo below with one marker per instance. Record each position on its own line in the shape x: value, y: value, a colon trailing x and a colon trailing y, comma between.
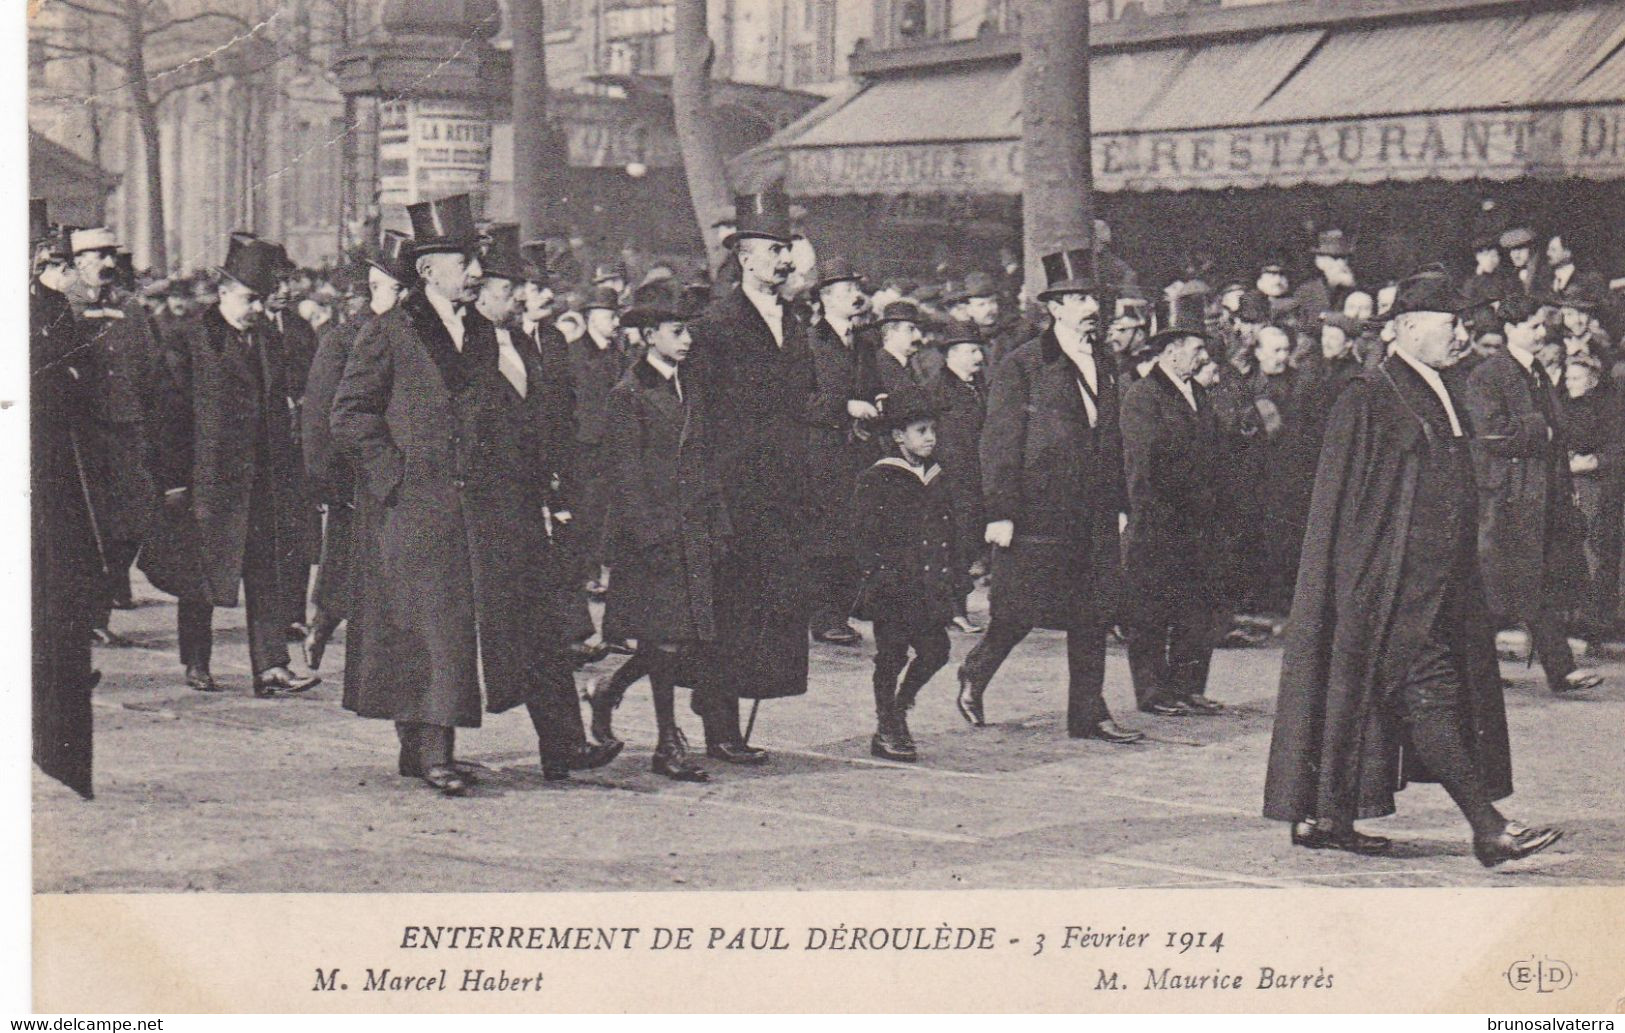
x: 228, y: 793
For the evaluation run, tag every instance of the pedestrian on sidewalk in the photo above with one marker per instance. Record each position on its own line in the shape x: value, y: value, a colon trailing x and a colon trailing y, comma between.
x: 908, y: 558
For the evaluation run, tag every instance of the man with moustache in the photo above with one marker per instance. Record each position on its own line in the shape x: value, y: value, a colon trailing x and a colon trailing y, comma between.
x: 961, y: 398
x: 750, y: 348
x: 888, y: 368
x: 327, y: 470
x: 1052, y: 476
x: 232, y: 477
x: 1389, y: 644
x: 837, y: 449
x: 430, y: 414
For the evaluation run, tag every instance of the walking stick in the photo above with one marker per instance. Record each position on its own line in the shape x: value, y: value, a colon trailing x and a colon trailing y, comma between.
x: 90, y: 509
x: 750, y: 723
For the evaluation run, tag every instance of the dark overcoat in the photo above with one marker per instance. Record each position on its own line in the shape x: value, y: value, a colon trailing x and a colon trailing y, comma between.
x: 963, y: 407
x: 297, y: 342
x: 757, y: 392
x: 668, y: 525
x: 594, y: 371
x: 1060, y: 481
x: 835, y: 454
x: 327, y: 470
x: 225, y: 430
x: 903, y: 542
x: 1372, y: 579
x: 1530, y: 534
x: 1171, y: 458
x: 130, y: 366
x: 458, y: 585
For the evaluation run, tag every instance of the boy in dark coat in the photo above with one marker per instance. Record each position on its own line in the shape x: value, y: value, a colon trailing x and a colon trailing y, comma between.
x: 666, y: 525
x: 904, y: 543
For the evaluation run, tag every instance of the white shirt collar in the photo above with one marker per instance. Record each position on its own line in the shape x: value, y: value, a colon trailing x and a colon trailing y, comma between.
x: 1431, y: 377
x: 443, y: 307
x: 842, y: 327
x: 926, y: 472
x: 1073, y: 342
x: 664, y: 368
x: 1525, y: 359
x: 1181, y: 383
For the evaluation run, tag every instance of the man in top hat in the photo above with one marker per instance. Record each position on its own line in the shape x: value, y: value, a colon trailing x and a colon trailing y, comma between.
x: 1390, y: 670
x: 297, y: 341
x: 455, y: 611
x: 1171, y: 457
x: 69, y: 580
x: 750, y: 348
x: 597, y: 363
x: 1325, y: 293
x: 130, y: 363
x: 1052, y: 476
x: 837, y: 447
x: 1530, y: 533
x: 231, y: 473
x: 960, y: 392
x: 328, y: 471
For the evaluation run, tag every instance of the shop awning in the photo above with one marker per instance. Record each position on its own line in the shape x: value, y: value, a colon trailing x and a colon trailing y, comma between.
x: 1496, y: 96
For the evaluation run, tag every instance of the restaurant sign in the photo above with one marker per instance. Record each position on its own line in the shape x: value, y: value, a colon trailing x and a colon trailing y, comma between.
x: 1582, y: 142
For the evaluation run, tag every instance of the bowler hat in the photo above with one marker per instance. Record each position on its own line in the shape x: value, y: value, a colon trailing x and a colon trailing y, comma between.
x: 958, y: 332
x: 443, y: 224
x: 389, y: 257
x: 603, y: 297
x: 765, y: 215
x: 1334, y: 244
x: 906, y: 405
x: 1159, y: 342
x: 835, y: 270
x: 500, y: 257
x: 656, y: 303
x: 904, y: 311
x: 252, y: 263
x: 1429, y: 289
x: 1068, y: 272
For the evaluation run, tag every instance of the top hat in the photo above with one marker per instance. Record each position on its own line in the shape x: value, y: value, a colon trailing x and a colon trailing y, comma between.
x: 535, y: 255
x: 1429, y: 289
x: 656, y: 303
x: 285, y: 266
x: 835, y: 270
x: 444, y: 224
x: 904, y: 311
x: 603, y: 297
x: 252, y: 263
x: 1333, y: 244
x: 39, y: 220
x: 1518, y: 236
x: 906, y: 405
x: 1068, y: 272
x: 765, y: 215
x: 1187, y: 310
x: 500, y: 257
x: 389, y: 257
x: 97, y: 238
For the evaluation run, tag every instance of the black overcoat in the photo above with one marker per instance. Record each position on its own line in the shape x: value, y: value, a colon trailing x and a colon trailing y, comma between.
x: 963, y: 407
x: 1171, y: 458
x: 459, y: 584
x: 667, y: 526
x: 903, y: 542
x: 130, y: 368
x: 328, y: 471
x: 226, y: 424
x: 1060, y: 481
x: 835, y: 453
x: 1354, y: 617
x: 757, y: 392
x: 1530, y: 534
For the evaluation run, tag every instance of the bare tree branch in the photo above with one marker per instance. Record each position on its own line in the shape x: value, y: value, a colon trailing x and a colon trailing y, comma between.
x: 86, y: 9
x: 176, y: 23
x: 68, y: 51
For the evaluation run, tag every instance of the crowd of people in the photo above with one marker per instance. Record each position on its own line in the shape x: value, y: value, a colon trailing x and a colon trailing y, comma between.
x: 467, y: 439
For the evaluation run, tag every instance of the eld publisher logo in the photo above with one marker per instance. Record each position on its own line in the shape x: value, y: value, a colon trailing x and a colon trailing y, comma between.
x: 1542, y: 975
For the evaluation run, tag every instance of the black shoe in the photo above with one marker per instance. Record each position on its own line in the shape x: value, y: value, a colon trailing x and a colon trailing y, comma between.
x: 1166, y: 708
x: 109, y: 639
x: 840, y: 635
x: 1578, y: 681
x: 199, y: 679
x: 315, y: 646
x: 1198, y: 703
x: 888, y: 746
x: 279, y: 681
x: 735, y: 753
x: 603, y: 709
x: 445, y: 778
x: 591, y: 755
x: 969, y: 702
x: 1319, y: 835
x: 1108, y: 731
x: 1513, y: 843
x: 671, y: 759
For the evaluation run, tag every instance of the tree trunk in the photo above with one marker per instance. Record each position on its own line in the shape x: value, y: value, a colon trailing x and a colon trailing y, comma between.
x: 1057, y: 204
x: 696, y: 124
x: 540, y: 153
x: 146, y: 115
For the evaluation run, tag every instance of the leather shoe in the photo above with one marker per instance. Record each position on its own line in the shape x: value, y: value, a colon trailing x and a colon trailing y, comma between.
x: 1198, y: 703
x: 969, y: 702
x: 280, y: 681
x: 1166, y: 708
x: 410, y: 768
x: 671, y: 759
x: 592, y: 755
x: 1320, y: 835
x: 1513, y: 843
x: 735, y: 753
x: 840, y: 635
x: 446, y: 779
x: 199, y: 678
x: 1109, y: 731
x: 109, y: 638
x: 1578, y: 681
